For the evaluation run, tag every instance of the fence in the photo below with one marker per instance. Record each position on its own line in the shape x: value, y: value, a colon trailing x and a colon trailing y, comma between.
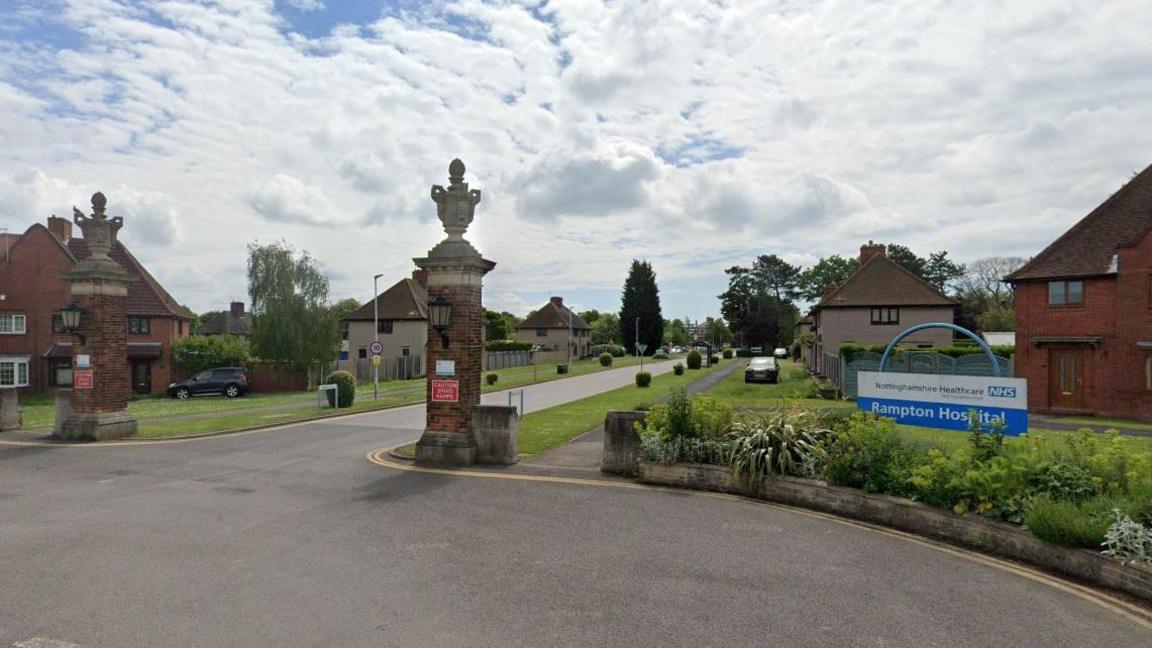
x: 396, y: 368
x: 921, y: 362
x: 504, y: 359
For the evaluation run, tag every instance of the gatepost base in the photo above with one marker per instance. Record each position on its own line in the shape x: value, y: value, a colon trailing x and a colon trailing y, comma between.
x: 445, y: 449
x: 103, y: 426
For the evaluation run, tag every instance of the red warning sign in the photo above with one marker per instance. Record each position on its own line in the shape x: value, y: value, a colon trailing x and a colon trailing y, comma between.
x: 445, y: 391
x: 82, y: 379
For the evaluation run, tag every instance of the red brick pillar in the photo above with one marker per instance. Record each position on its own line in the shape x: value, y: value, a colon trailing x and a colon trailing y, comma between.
x: 455, y: 274
x: 101, y: 378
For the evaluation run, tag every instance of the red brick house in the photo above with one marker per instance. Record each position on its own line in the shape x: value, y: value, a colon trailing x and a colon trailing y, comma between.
x: 1084, y: 312
x: 33, y: 344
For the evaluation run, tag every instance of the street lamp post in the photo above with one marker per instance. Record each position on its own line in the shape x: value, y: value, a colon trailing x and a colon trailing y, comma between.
x: 636, y: 344
x: 375, y: 336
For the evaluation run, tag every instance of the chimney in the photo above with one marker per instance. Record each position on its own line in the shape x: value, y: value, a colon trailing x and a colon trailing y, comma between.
x: 420, y: 277
x: 237, y: 309
x: 870, y: 250
x: 558, y: 301
x: 61, y: 227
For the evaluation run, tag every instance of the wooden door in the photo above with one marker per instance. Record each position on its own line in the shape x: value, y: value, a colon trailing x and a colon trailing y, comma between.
x: 142, y: 376
x: 1066, y: 379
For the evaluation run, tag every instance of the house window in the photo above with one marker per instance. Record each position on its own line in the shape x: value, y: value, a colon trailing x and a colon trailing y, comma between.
x: 343, y: 330
x: 363, y: 353
x: 886, y: 315
x: 13, y: 371
x: 179, y: 327
x: 60, y: 372
x: 1061, y: 293
x: 542, y: 332
x: 58, y: 324
x: 139, y: 325
x: 13, y: 324
x: 383, y: 326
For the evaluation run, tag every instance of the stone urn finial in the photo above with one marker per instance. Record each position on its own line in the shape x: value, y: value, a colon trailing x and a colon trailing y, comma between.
x: 99, y: 230
x: 456, y: 205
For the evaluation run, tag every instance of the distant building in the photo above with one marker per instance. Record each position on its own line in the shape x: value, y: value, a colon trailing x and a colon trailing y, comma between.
x: 36, y: 351
x: 1084, y: 312
x: 233, y: 321
x: 999, y: 338
x: 880, y: 300
x: 556, y: 328
x: 402, y: 315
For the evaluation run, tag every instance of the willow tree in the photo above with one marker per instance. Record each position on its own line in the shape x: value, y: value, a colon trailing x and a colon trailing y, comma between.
x: 292, y: 322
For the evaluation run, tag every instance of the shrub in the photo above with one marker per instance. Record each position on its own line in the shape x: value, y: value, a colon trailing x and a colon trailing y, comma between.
x: 678, y: 369
x: 492, y: 378
x: 1127, y: 539
x: 618, y: 351
x: 507, y: 345
x: 714, y: 359
x: 1071, y: 524
x: 693, y: 359
x: 346, y: 382
x: 605, y: 359
x: 196, y: 353
x: 643, y: 379
x: 684, y: 417
x: 727, y: 353
x: 776, y: 444
x: 743, y: 353
x: 684, y: 450
x: 866, y: 452
x: 659, y: 356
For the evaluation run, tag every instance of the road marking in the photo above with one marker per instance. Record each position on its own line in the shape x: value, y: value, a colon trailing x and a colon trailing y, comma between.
x: 41, y: 642
x: 1137, y: 614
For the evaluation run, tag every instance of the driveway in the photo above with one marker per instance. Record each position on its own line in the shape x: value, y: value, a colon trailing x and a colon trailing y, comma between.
x: 292, y: 538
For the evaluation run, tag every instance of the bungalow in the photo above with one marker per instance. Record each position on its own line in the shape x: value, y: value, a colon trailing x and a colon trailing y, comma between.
x: 33, y: 342
x: 556, y: 328
x: 1084, y: 312
x: 874, y: 305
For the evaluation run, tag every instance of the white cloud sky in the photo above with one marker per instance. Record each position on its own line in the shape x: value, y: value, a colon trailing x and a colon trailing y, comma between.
x: 695, y: 134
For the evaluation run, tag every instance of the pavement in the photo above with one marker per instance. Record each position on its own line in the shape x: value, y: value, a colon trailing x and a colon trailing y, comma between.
x: 291, y: 537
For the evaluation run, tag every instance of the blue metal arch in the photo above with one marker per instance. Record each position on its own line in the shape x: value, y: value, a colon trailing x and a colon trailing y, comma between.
x: 952, y: 327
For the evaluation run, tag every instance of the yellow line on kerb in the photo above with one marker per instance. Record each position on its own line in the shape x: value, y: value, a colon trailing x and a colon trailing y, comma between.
x: 1138, y: 615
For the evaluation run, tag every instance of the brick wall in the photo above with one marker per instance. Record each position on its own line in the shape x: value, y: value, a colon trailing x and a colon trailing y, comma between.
x: 464, y: 332
x: 1116, y: 309
x: 106, y: 343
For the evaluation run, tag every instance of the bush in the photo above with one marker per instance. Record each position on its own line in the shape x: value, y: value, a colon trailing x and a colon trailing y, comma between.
x: 867, y: 453
x: 678, y: 369
x: 743, y: 353
x: 643, y: 379
x: 346, y: 383
x: 618, y: 351
x: 507, y: 345
x: 492, y: 378
x: 704, y: 418
x: 714, y: 359
x: 605, y: 359
x: 659, y: 356
x: 1071, y: 524
x: 727, y: 353
x: 1128, y: 540
x: 673, y: 451
x: 776, y: 444
x: 196, y: 353
x: 693, y: 359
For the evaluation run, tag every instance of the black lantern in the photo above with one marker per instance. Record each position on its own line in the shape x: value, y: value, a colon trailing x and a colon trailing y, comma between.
x: 440, y: 313
x: 70, y: 317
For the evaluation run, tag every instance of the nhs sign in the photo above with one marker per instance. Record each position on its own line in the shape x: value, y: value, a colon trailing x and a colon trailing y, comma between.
x: 943, y: 401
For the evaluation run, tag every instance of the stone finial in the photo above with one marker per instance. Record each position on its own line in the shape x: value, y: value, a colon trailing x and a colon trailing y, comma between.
x: 99, y: 230
x: 456, y: 205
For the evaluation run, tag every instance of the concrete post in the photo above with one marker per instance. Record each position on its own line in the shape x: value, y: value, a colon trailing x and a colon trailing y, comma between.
x: 622, y: 443
x: 454, y: 359
x: 99, y: 286
x: 9, y: 410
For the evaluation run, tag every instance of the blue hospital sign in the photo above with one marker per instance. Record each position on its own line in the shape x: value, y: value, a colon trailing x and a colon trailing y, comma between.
x: 942, y: 401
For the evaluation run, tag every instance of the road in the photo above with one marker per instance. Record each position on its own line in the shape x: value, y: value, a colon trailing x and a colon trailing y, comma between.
x: 291, y: 537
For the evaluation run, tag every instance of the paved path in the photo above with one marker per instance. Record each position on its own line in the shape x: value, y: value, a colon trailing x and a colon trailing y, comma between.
x: 291, y: 538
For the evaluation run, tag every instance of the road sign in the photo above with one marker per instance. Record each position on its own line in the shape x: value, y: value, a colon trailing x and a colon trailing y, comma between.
x: 376, y: 348
x: 945, y: 401
x: 82, y: 379
x: 445, y: 391
x: 641, y: 347
x: 446, y: 368
x: 375, y: 361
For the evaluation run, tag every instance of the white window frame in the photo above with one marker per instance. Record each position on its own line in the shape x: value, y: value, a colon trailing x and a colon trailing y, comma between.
x: 17, y: 363
x: 13, y: 318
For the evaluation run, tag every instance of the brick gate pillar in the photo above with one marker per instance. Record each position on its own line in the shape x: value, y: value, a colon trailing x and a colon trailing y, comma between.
x: 99, y: 287
x: 453, y: 360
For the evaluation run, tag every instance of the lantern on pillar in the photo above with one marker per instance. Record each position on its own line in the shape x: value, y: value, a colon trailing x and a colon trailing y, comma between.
x: 440, y: 314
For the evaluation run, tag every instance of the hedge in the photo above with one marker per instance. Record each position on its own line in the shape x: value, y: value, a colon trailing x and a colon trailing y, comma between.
x: 849, y: 350
x: 347, y: 384
x: 197, y: 353
x: 507, y: 345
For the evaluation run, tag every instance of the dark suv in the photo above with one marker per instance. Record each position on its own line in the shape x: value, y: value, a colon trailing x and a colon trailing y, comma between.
x: 228, y: 381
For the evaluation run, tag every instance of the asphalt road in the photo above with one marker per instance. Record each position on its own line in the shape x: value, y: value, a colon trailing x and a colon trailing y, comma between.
x: 292, y: 538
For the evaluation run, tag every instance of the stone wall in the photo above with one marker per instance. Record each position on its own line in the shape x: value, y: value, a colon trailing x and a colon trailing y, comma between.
x: 621, y: 443
x: 494, y: 428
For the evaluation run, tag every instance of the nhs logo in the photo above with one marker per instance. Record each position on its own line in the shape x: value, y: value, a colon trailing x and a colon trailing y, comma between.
x: 1002, y: 392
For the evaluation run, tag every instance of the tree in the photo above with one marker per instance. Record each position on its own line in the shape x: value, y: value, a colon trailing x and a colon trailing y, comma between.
x: 829, y: 272
x: 496, y: 326
x: 197, y: 353
x: 641, y: 299
x: 986, y: 302
x: 777, y: 277
x: 606, y: 329
x: 291, y: 320
x: 590, y: 316
x: 758, y: 304
x: 206, y: 317
x: 718, y: 332
x: 344, y: 308
x: 906, y: 259
x: 675, y: 332
x: 940, y: 271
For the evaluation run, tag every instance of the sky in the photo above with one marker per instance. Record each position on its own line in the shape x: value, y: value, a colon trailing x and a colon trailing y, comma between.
x: 694, y: 134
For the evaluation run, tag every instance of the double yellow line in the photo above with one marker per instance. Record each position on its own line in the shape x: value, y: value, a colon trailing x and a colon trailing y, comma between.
x: 1141, y: 616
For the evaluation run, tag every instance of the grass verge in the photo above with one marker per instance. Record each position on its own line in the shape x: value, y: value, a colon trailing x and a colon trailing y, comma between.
x: 548, y: 428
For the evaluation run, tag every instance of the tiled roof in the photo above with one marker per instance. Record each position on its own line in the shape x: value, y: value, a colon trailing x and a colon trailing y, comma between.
x: 883, y: 282
x: 1089, y: 248
x: 407, y: 299
x: 145, y: 295
x: 225, y: 322
x: 553, y: 315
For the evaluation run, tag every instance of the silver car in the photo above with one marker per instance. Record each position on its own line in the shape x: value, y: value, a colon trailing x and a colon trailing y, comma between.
x: 762, y: 370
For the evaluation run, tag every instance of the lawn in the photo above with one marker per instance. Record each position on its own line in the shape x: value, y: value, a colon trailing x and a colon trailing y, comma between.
x: 1099, y: 422
x: 513, y: 377
x: 546, y: 429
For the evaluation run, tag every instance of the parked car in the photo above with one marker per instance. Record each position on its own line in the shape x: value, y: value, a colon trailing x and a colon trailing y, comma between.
x: 677, y: 349
x: 780, y: 352
x: 762, y: 370
x: 221, y: 381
